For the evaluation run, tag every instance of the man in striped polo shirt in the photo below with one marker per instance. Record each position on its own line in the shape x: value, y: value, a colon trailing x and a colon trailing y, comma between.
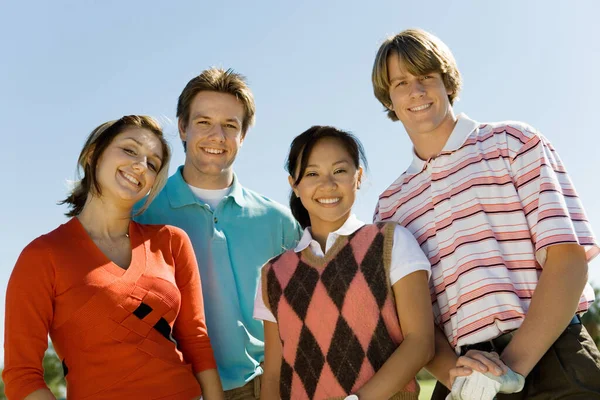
x: 493, y: 208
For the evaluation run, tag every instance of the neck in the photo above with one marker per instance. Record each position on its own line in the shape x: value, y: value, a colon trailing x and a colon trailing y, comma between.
x: 430, y: 144
x: 211, y: 182
x: 320, y: 230
x: 102, y: 219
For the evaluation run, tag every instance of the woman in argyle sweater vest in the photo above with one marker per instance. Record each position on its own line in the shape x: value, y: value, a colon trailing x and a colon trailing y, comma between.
x: 334, y: 306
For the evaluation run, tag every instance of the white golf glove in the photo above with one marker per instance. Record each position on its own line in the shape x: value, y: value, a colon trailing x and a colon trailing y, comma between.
x: 478, y: 386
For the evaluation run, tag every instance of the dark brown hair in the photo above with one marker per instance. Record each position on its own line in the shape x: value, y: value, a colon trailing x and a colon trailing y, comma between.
x: 94, y: 147
x: 300, y: 151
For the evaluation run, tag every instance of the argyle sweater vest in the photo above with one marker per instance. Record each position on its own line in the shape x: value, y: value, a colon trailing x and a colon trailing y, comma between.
x: 336, y: 315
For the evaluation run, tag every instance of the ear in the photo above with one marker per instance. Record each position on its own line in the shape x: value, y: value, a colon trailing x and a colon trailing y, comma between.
x: 291, y: 181
x: 182, y: 133
x: 359, y: 178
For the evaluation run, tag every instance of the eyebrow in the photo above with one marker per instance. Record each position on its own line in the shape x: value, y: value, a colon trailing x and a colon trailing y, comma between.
x: 141, y: 145
x: 196, y: 116
x: 335, y: 163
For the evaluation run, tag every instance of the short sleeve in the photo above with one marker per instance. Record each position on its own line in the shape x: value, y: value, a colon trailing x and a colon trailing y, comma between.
x: 407, y: 256
x: 261, y: 312
x: 554, y: 212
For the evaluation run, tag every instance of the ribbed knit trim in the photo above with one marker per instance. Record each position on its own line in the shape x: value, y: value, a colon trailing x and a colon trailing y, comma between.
x: 397, y: 396
x: 388, y: 244
x: 320, y: 262
x: 265, y: 292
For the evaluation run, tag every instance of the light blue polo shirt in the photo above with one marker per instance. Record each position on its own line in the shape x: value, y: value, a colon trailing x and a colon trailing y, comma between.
x: 231, y: 244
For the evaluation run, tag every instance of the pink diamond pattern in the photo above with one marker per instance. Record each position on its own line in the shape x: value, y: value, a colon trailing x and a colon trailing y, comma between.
x: 321, y: 316
x: 358, y: 304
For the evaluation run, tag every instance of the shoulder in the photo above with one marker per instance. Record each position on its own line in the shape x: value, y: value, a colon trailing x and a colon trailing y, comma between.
x: 261, y: 204
x: 514, y: 133
x: 287, y: 258
x: 163, y: 231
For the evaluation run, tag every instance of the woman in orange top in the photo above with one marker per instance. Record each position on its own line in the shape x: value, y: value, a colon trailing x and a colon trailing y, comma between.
x: 122, y: 301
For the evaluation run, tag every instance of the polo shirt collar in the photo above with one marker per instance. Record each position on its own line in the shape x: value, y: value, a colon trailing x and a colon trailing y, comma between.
x: 180, y: 194
x: 462, y: 130
x: 351, y: 225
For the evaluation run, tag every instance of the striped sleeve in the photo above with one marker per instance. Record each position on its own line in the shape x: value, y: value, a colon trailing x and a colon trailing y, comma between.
x: 554, y: 212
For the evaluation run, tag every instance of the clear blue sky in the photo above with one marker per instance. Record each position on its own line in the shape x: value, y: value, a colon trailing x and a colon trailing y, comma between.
x: 67, y: 66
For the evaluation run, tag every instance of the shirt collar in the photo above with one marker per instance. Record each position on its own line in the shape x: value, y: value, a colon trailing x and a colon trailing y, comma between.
x: 180, y: 194
x: 462, y: 130
x: 351, y: 225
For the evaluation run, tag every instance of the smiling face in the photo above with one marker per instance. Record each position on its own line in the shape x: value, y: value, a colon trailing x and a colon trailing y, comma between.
x: 127, y: 169
x: 213, y: 137
x: 420, y: 102
x: 328, y: 186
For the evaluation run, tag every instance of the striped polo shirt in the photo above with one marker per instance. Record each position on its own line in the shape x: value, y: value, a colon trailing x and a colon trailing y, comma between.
x: 484, y: 211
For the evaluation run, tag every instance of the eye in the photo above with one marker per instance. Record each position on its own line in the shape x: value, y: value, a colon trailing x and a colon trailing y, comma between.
x: 339, y: 171
x: 231, y: 126
x: 129, y: 151
x: 153, y: 167
x: 203, y: 122
x: 311, y: 173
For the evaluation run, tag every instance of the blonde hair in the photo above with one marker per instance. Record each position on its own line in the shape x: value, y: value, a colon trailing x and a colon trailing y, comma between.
x: 422, y: 53
x: 94, y: 147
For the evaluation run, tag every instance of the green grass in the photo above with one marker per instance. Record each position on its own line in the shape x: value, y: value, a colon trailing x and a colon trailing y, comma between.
x: 426, y: 389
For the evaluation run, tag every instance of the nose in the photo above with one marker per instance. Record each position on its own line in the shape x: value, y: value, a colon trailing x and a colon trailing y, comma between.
x: 329, y: 182
x: 417, y: 89
x: 141, y: 164
x: 217, y: 133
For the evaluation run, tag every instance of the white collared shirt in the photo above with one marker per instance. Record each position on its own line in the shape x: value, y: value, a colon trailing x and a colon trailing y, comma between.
x: 407, y: 257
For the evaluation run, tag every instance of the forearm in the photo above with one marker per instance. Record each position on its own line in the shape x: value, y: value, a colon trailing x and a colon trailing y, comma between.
x: 269, y: 387
x: 553, y: 304
x: 444, y: 359
x: 402, y: 366
x: 41, y: 394
x: 211, y: 384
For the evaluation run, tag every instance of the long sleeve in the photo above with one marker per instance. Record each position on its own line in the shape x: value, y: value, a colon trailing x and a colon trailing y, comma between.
x: 28, y: 317
x: 190, y: 325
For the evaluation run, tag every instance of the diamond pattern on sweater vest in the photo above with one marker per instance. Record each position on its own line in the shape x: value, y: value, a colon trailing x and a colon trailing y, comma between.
x: 358, y: 238
x: 339, y: 274
x: 300, y: 293
x: 285, y: 379
x: 290, y: 327
x: 320, y: 316
x: 360, y: 302
x: 375, y: 275
x: 381, y: 346
x: 309, y: 361
x: 345, y: 355
x: 274, y: 290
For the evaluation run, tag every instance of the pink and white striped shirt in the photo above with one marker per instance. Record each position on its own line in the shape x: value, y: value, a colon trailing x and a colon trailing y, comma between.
x: 484, y: 211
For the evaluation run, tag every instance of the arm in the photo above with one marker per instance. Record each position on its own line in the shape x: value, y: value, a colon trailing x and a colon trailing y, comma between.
x: 553, y: 304
x: 190, y: 326
x: 269, y: 388
x: 414, y: 313
x: 28, y: 317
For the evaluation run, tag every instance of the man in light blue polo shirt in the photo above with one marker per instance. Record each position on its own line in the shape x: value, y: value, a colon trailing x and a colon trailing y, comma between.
x: 234, y: 230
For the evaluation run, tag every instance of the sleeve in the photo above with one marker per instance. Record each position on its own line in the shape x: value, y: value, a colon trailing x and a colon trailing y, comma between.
x: 407, y: 256
x: 261, y: 312
x: 292, y: 232
x: 190, y: 325
x: 376, y: 216
x: 554, y: 212
x: 28, y: 317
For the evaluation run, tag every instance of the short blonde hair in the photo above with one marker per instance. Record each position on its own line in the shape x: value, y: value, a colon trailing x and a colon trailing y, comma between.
x: 94, y: 147
x: 422, y: 53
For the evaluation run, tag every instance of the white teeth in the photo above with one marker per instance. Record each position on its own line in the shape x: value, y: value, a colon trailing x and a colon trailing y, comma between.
x: 329, y: 201
x: 131, y: 178
x: 423, y: 107
x: 213, y: 151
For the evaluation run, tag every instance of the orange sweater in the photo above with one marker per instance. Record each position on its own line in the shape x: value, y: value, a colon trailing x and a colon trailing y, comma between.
x: 121, y: 334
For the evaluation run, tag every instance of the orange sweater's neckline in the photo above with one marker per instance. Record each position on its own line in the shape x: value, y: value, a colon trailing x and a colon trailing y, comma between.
x: 138, y: 253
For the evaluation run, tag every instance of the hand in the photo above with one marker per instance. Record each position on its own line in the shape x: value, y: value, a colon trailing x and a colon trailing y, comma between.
x: 476, y: 360
x: 479, y: 386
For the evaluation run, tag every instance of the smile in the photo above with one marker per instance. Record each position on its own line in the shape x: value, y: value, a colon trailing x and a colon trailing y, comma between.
x: 210, y: 150
x: 331, y: 200
x: 130, y: 178
x: 421, y: 108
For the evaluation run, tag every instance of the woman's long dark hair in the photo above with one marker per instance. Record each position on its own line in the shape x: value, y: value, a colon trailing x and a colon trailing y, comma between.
x: 300, y: 150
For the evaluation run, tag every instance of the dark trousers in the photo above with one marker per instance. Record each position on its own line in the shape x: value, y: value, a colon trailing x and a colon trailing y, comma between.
x: 570, y: 369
